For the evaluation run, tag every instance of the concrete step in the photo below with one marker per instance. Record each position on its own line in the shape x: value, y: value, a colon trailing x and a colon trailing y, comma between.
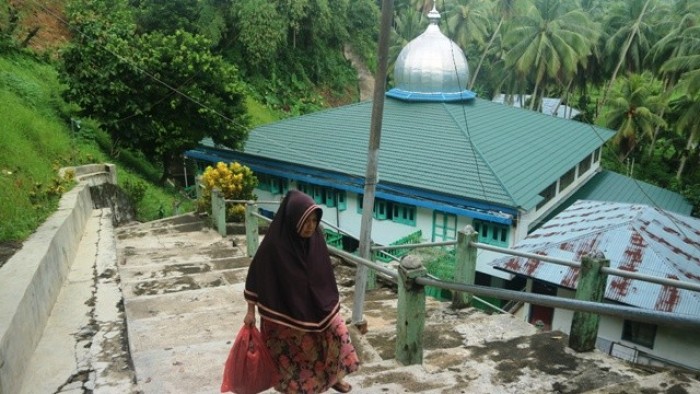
x: 183, y: 306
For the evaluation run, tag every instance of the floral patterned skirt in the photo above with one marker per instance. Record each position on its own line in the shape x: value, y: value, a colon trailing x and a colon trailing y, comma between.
x: 310, y: 362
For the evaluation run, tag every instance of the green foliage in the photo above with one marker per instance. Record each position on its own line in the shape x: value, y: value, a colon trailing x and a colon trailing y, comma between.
x: 36, y: 140
x: 33, y: 146
x: 635, y: 108
x: 166, y: 16
x: 8, y: 25
x: 136, y: 190
x: 262, y: 31
x: 160, y: 94
x: 363, y: 28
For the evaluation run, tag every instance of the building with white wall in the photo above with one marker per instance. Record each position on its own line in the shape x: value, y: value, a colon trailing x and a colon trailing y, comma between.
x: 636, y: 238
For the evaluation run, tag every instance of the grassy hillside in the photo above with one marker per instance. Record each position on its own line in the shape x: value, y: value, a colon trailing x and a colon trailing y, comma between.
x: 37, y: 137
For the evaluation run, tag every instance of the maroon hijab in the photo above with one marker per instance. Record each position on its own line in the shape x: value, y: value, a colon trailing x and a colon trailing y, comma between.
x: 291, y: 278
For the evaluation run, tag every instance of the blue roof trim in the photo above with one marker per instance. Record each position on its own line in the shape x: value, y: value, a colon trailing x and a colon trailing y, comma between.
x: 404, y: 95
x: 356, y: 185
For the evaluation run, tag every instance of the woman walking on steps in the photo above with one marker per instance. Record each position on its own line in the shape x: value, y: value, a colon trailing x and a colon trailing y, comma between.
x: 291, y: 281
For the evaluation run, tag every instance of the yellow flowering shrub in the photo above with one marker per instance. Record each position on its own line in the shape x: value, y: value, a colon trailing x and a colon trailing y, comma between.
x: 235, y: 181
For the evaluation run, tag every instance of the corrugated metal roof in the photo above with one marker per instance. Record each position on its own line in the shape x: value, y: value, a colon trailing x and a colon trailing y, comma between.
x: 611, y: 186
x: 479, y: 150
x: 636, y: 238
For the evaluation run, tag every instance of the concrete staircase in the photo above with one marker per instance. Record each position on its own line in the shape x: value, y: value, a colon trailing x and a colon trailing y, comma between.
x: 154, y: 308
x: 182, y: 286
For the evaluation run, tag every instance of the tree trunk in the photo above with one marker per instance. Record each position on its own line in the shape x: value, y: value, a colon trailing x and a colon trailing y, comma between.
x: 566, y: 98
x: 483, y: 55
x: 668, y: 87
x: 623, y: 54
x: 167, y: 159
x: 689, y: 147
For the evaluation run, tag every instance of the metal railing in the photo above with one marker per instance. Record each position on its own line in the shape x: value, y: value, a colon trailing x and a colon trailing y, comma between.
x: 412, y: 278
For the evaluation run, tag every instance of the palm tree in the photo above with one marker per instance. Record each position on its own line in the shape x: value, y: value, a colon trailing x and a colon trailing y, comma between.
x: 505, y: 9
x: 686, y: 108
x: 674, y: 49
x: 632, y: 28
x: 407, y: 26
x: 549, y: 40
x: 467, y: 21
x: 634, y: 111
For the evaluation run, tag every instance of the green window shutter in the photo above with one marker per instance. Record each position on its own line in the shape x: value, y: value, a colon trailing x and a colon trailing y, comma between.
x: 359, y: 203
x: 380, y: 209
x: 303, y: 187
x: 330, y: 198
x: 405, y: 214
x: 492, y: 233
x: 342, y: 203
x: 319, y: 194
x: 279, y: 185
x: 264, y: 182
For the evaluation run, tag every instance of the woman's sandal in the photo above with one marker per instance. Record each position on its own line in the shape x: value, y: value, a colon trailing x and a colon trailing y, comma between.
x: 343, y: 387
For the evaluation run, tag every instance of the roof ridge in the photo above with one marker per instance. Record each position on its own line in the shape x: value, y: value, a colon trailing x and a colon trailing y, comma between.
x: 481, y: 155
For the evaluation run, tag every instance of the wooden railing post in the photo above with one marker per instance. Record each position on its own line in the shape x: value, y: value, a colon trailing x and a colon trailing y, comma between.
x: 465, y: 265
x: 218, y: 211
x: 411, y: 312
x: 251, y: 228
x: 591, y: 287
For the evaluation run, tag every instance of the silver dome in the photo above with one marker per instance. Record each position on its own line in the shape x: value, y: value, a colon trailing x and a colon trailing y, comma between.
x: 432, y: 64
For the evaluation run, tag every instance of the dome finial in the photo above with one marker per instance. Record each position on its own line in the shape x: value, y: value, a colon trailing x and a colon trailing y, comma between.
x: 431, y: 67
x: 434, y: 15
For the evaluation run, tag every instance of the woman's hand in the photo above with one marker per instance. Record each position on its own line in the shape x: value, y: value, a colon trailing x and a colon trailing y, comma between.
x: 249, y: 319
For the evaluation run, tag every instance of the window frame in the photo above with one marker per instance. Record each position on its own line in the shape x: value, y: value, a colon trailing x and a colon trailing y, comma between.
x: 642, y: 334
x: 567, y: 179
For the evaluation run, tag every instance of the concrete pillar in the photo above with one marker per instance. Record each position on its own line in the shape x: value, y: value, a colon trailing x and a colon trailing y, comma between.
x: 465, y: 265
x: 198, y: 186
x: 411, y: 312
x: 111, y: 169
x: 251, y: 229
x: 372, y: 276
x: 591, y: 287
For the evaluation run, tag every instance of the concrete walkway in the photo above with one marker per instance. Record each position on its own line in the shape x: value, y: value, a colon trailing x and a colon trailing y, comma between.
x: 81, y: 349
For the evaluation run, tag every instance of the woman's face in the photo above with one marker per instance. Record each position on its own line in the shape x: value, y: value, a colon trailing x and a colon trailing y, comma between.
x: 309, y: 226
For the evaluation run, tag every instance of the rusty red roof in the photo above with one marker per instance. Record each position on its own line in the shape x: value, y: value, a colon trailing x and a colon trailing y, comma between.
x: 633, y: 237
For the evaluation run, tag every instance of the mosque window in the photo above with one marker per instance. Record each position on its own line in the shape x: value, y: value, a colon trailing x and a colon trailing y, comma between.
x: 567, y: 179
x: 547, y: 194
x: 492, y: 233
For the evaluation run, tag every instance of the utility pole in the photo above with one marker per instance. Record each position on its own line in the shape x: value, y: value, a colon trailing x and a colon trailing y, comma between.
x: 371, y: 177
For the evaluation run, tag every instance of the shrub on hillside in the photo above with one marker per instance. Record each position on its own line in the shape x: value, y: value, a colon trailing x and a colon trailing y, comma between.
x: 235, y: 181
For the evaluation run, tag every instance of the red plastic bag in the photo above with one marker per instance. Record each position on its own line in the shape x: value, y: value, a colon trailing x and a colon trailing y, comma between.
x: 249, y: 368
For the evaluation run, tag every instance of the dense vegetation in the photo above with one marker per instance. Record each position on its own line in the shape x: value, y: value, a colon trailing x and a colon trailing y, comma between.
x: 148, y: 78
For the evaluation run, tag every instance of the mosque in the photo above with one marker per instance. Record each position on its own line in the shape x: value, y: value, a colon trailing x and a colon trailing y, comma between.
x: 447, y: 159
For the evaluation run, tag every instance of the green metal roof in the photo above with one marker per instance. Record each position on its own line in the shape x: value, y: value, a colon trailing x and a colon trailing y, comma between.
x: 479, y: 150
x: 614, y: 187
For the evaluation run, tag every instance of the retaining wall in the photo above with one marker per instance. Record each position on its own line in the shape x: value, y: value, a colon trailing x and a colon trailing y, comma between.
x: 31, y: 280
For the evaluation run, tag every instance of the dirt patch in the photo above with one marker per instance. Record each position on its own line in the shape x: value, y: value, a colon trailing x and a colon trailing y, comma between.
x: 406, y: 380
x: 232, y: 263
x: 46, y: 16
x: 220, y: 252
x: 441, y: 337
x: 7, y: 250
x: 545, y: 353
